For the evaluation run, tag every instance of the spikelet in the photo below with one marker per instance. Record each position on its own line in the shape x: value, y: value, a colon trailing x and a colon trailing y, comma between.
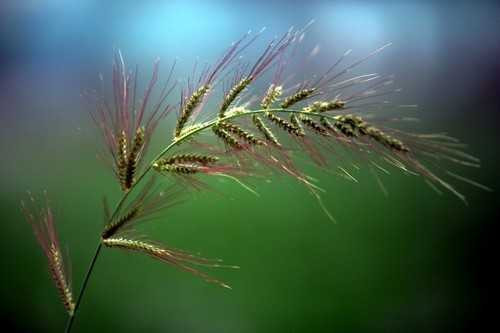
x: 177, y: 168
x: 191, y: 104
x: 177, y: 258
x: 133, y: 157
x: 188, y: 158
x: 319, y: 107
x: 272, y: 95
x: 113, y: 227
x: 226, y: 137
x: 348, y: 124
x: 284, y: 125
x: 314, y: 125
x: 42, y: 221
x: 266, y: 131
x: 241, y: 133
x: 233, y: 93
x: 294, y: 120
x: 122, y: 159
x: 297, y: 97
x: 327, y: 124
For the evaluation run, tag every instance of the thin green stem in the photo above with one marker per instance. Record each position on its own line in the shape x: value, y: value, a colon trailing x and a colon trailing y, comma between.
x: 174, y: 143
x: 69, y: 323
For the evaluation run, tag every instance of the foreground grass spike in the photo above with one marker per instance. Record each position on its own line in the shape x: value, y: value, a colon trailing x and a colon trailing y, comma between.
x: 319, y: 107
x: 266, y: 131
x: 184, y: 169
x: 43, y: 224
x: 297, y: 97
x: 113, y: 227
x: 122, y: 160
x: 314, y: 125
x: 121, y: 120
x: 350, y: 124
x: 294, y: 120
x: 233, y: 93
x: 179, y: 259
x: 133, y: 157
x: 190, y: 105
x: 241, y: 133
x: 189, y: 158
x: 284, y: 125
x: 327, y: 124
x: 123, y: 117
x: 272, y: 95
x: 225, y: 136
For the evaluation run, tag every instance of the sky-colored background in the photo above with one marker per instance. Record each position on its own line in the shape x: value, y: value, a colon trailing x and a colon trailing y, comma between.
x: 410, y: 262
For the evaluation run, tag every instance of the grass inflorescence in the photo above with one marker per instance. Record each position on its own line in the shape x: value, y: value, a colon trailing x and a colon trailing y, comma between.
x: 240, y: 139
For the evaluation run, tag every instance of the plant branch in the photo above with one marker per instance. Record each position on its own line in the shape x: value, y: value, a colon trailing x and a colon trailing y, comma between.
x: 174, y: 143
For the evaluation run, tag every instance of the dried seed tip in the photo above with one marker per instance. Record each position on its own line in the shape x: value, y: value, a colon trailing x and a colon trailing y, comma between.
x: 57, y: 271
x: 294, y: 120
x: 297, y: 97
x: 232, y: 94
x: 179, y: 259
x: 226, y: 137
x: 266, y: 131
x: 122, y: 159
x: 191, y: 104
x: 113, y: 227
x: 314, y: 125
x: 283, y: 124
x: 189, y: 158
x: 133, y: 157
x: 241, y: 133
x: 319, y: 107
x: 272, y: 95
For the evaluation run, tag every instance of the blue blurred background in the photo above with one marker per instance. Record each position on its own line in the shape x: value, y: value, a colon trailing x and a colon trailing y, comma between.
x: 410, y: 262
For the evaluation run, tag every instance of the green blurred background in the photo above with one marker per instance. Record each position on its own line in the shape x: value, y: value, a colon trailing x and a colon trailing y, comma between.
x: 410, y: 262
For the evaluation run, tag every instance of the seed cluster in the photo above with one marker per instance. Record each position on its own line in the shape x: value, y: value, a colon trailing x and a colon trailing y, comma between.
x: 184, y: 163
x: 232, y: 94
x: 192, y: 103
x: 297, y: 97
x: 266, y: 131
x: 133, y: 157
x: 57, y: 272
x: 322, y: 106
x: 272, y: 95
x: 241, y: 133
x: 226, y: 137
x: 113, y: 227
x: 351, y: 125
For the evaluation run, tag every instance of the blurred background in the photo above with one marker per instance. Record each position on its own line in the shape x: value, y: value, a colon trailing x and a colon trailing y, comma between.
x: 413, y: 261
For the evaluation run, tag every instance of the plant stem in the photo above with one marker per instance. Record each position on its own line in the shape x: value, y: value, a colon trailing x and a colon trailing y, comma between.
x: 84, y: 285
x: 174, y: 143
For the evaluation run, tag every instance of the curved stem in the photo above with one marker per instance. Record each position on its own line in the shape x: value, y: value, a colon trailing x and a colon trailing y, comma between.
x: 174, y: 143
